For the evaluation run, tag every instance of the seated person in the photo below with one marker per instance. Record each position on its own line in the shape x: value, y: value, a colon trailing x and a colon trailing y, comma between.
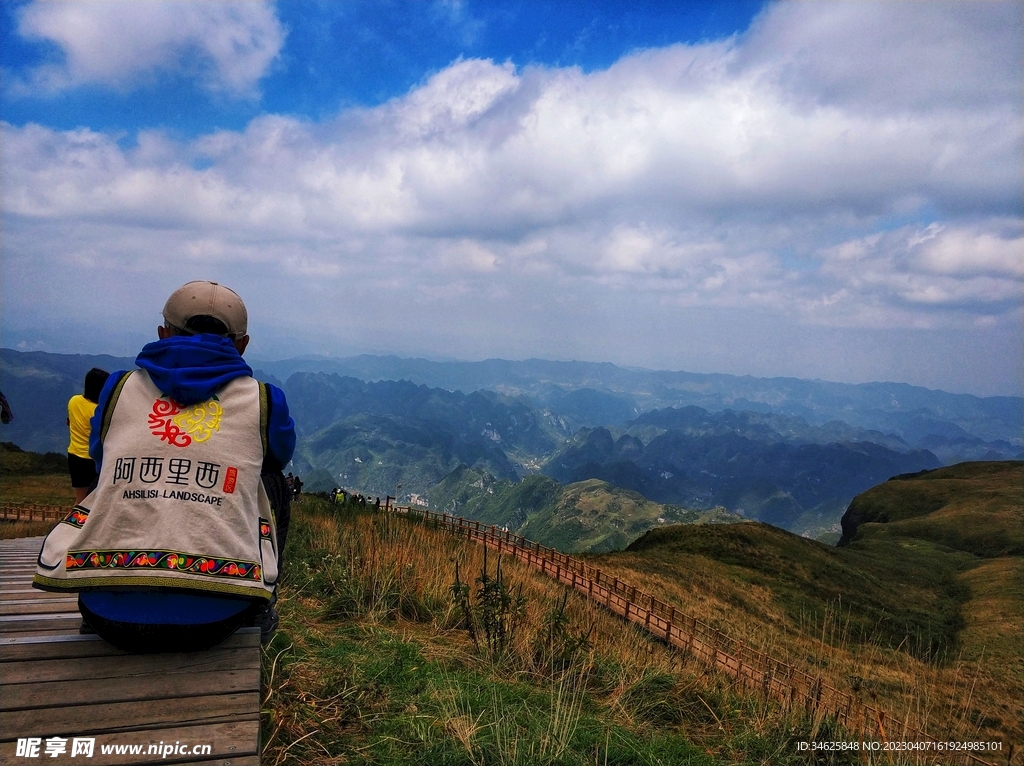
x: 180, y: 542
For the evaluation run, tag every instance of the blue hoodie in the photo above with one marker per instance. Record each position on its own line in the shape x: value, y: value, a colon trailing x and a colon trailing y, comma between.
x: 191, y: 369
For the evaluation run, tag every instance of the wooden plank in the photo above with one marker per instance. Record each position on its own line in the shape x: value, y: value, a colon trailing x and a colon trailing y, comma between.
x: 57, y: 646
x: 37, y: 607
x: 8, y: 595
x: 18, y: 623
x: 129, y: 716
x: 151, y: 687
x: 232, y: 744
x: 32, y: 634
x: 69, y: 646
x: 31, y: 598
x: 126, y: 666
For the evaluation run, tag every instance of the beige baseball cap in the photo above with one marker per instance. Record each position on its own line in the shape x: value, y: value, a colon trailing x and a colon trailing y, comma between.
x: 202, y: 298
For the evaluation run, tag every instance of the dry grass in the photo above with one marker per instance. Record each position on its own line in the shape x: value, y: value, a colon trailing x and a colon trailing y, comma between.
x: 380, y: 578
x: 10, y: 530
x: 383, y: 576
x: 974, y: 696
x: 412, y: 568
x: 992, y: 642
x: 45, y: 489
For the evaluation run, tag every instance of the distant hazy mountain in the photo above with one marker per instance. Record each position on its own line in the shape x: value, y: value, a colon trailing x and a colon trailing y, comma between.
x: 38, y: 386
x: 702, y: 460
x: 375, y: 436
x: 791, y: 452
x: 910, y: 412
x: 953, y: 426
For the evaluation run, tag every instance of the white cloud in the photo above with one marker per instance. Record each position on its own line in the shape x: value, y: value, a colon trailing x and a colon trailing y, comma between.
x: 229, y: 46
x: 751, y: 174
x: 935, y: 276
x: 886, y: 57
x: 970, y: 252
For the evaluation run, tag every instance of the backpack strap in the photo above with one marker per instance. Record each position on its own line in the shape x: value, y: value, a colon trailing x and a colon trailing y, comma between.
x: 265, y: 418
x: 108, y: 411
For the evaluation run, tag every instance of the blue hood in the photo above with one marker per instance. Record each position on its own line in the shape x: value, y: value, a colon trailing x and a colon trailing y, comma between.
x: 192, y: 368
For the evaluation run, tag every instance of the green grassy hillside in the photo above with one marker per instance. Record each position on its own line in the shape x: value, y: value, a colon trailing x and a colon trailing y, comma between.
x: 595, y: 516
x: 913, y: 599
x: 971, y: 507
x: 14, y: 461
x: 29, y: 477
x: 931, y: 567
x: 590, y: 515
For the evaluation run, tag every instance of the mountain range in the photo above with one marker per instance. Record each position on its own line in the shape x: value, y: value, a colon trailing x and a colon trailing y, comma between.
x: 786, y: 451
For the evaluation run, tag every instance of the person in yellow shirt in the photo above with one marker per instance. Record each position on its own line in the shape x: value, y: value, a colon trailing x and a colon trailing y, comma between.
x: 80, y: 410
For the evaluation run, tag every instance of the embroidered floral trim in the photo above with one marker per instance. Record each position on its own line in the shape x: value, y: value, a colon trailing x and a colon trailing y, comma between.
x: 264, y: 529
x: 169, y: 560
x: 77, y: 517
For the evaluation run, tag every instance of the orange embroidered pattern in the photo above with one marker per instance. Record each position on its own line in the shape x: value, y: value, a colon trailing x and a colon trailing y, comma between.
x: 167, y: 560
x: 77, y: 517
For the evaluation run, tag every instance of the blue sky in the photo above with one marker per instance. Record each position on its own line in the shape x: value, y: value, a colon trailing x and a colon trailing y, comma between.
x: 357, y: 53
x: 828, y: 189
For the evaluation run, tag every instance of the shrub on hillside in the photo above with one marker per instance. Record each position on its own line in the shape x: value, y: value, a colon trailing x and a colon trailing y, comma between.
x: 14, y: 461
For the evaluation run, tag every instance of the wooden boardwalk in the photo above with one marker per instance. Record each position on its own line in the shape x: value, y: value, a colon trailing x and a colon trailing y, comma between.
x: 56, y: 684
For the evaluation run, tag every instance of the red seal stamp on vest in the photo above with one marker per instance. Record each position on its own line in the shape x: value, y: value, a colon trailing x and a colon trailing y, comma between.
x: 230, y: 479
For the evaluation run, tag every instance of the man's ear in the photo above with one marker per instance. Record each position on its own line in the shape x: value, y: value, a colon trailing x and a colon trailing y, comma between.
x: 163, y: 333
x: 241, y: 343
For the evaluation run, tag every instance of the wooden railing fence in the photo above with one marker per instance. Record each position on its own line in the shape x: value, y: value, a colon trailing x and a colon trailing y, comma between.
x: 755, y: 671
x: 33, y: 512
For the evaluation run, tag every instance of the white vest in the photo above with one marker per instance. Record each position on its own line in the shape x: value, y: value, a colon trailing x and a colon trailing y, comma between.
x: 179, y: 502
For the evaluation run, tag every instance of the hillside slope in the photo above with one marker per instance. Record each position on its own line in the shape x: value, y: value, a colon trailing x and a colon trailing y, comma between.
x: 585, y: 516
x: 931, y: 577
x: 972, y: 507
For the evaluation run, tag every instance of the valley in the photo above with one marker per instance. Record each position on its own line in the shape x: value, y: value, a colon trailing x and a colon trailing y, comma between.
x: 787, y: 452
